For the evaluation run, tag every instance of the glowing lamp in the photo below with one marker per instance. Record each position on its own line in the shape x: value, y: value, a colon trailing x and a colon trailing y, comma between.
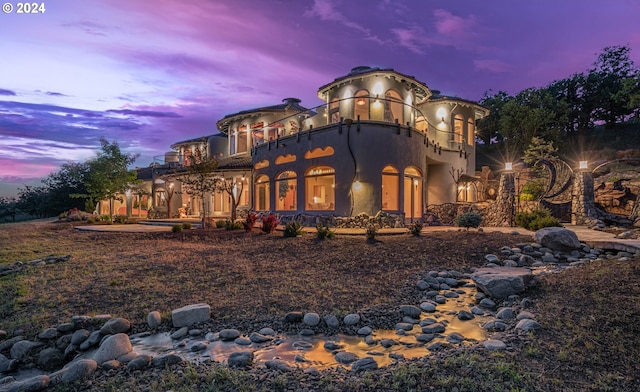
x: 508, y: 166
x: 583, y: 165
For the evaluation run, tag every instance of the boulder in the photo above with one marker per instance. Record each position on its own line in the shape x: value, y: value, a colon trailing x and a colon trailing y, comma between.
x: 240, y: 359
x: 557, y: 238
x: 74, y: 371
x: 164, y: 360
x: 115, y: 325
x: 50, y: 358
x: 154, y: 319
x: 20, y: 349
x: 367, y: 363
x: 37, y: 383
x: 190, y: 314
x: 113, y: 347
x: 501, y: 282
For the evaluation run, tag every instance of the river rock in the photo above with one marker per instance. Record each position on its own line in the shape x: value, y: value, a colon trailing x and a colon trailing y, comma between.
x: 267, y: 331
x: 557, y: 238
x: 229, y: 334
x: 48, y: 334
x: 367, y: 363
x: 433, y: 328
x: 76, y: 370
x: 154, y: 319
x: 311, y: 319
x: 259, y: 338
x: 113, y: 347
x: 139, y: 363
x: 332, y: 321
x: 50, y: 358
x: 428, y: 307
x: 91, y: 341
x: 502, y: 282
x: 528, y: 325
x: 115, y: 326
x: 494, y: 345
x: 79, y: 336
x: 345, y: 357
x: 20, y: 349
x: 37, y: 383
x: 351, y: 319
x: 293, y: 317
x: 4, y: 363
x: 506, y: 314
x: 277, y: 364
x: 455, y: 338
x: 161, y: 361
x: 180, y: 333
x: 240, y: 359
x: 332, y: 346
x: 365, y: 331
x: 190, y: 314
x: 410, y: 310
x: 465, y: 316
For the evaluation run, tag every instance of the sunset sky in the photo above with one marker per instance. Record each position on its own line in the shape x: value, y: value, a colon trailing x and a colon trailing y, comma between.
x: 149, y: 73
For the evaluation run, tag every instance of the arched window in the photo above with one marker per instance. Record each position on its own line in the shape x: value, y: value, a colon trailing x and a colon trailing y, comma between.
x: 242, y: 139
x: 471, y: 132
x: 412, y: 193
x: 390, y: 188
x: 187, y: 157
x: 458, y: 123
x: 361, y: 107
x: 421, y: 124
x: 393, y: 107
x: 262, y: 201
x: 287, y: 188
x: 334, y: 111
x: 319, y: 186
x: 160, y: 197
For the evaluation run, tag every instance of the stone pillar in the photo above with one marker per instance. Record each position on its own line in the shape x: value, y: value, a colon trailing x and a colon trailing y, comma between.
x: 505, y: 201
x: 583, y: 208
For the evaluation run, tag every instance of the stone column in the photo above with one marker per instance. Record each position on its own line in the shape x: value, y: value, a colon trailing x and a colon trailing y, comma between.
x: 505, y: 201
x: 583, y: 208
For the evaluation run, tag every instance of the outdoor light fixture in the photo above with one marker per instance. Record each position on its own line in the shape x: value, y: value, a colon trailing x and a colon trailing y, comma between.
x: 508, y: 166
x: 583, y: 164
x: 360, y: 101
x: 441, y: 113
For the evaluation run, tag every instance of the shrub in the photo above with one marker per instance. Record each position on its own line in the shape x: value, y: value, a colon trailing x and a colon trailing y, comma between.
x: 229, y: 225
x: 536, y: 219
x: 371, y: 232
x: 120, y: 219
x: 469, y: 219
x: 532, y: 190
x: 292, y: 229
x: 415, y: 228
x: 221, y: 223
x: 186, y: 226
x: 176, y: 228
x: 250, y: 221
x: 269, y: 223
x: 323, y: 232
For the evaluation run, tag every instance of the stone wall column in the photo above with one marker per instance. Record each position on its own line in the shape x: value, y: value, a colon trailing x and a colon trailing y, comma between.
x: 505, y: 201
x: 583, y: 208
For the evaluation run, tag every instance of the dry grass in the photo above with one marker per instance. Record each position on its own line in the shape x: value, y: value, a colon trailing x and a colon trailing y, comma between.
x: 241, y: 275
x: 590, y: 315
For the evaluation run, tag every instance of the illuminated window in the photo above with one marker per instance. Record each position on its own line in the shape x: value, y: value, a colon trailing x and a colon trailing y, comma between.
x: 287, y: 188
x: 421, y: 124
x: 261, y: 165
x: 412, y: 193
x: 187, y: 157
x: 361, y: 107
x: 160, y: 198
x: 393, y: 107
x: 334, y: 111
x: 320, y: 188
x: 390, y: 188
x: 242, y: 139
x: 319, y: 152
x: 262, y: 201
x: 287, y: 158
x: 471, y: 132
x: 458, y: 123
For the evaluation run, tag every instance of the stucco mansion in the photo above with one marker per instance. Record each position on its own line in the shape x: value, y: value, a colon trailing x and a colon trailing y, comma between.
x: 382, y: 141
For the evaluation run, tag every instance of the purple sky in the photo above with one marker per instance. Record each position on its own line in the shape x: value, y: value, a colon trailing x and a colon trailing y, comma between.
x: 150, y: 73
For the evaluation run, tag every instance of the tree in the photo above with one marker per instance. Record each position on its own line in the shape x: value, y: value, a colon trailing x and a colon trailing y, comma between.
x: 231, y: 187
x: 69, y: 180
x: 539, y: 148
x: 8, y: 208
x: 34, y: 200
x: 489, y: 127
x: 608, y: 75
x: 198, y: 176
x: 108, y: 175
